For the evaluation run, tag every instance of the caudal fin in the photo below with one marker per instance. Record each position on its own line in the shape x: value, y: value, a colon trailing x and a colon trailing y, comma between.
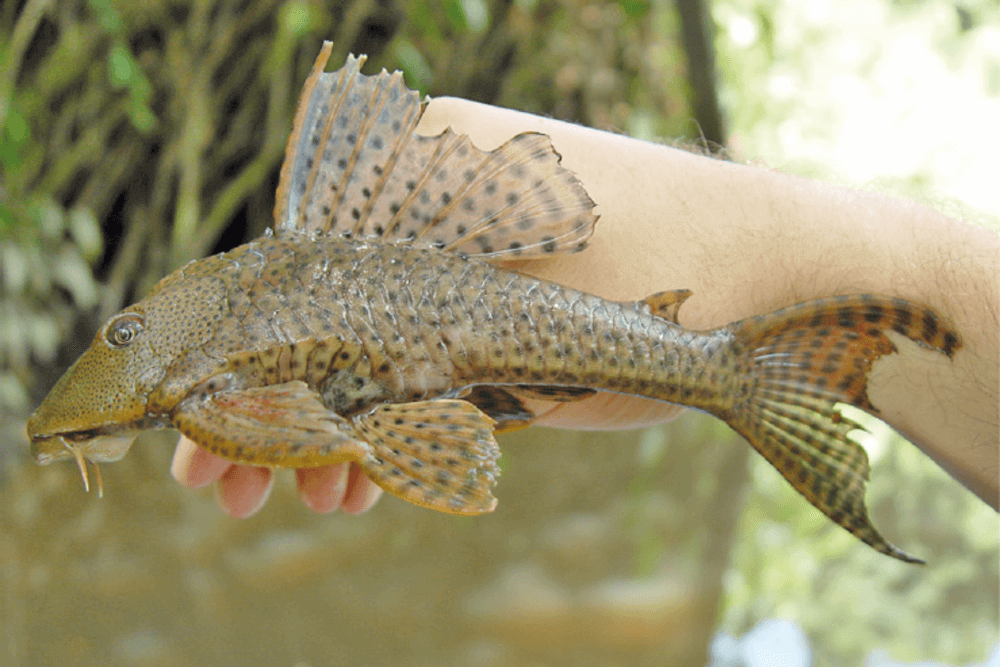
x: 805, y: 359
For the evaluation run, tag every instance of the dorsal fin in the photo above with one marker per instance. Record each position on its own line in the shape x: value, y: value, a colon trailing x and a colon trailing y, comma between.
x: 666, y: 304
x: 353, y: 167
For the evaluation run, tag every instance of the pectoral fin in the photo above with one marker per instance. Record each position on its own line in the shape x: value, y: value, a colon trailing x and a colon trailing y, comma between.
x: 284, y: 425
x: 439, y: 454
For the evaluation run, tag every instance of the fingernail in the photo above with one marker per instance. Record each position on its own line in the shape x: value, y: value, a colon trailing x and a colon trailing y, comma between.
x: 243, y: 490
x: 194, y: 467
x: 362, y: 497
x: 322, y: 489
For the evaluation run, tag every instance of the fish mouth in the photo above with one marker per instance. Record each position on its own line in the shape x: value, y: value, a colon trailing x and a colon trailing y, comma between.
x: 93, y: 445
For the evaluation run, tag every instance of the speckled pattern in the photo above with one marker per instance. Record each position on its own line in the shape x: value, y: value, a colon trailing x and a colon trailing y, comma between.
x: 439, y: 454
x: 356, y: 169
x: 391, y: 341
x: 807, y: 358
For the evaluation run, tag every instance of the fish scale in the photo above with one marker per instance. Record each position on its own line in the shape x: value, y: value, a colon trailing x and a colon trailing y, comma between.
x: 375, y: 326
x: 638, y: 349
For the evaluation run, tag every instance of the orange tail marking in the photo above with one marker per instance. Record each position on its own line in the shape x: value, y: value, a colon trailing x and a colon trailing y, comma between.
x: 803, y: 361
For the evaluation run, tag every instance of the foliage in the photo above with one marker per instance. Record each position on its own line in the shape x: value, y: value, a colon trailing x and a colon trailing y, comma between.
x: 160, y: 126
x: 126, y: 127
x: 894, y: 96
x: 46, y: 248
x: 136, y: 136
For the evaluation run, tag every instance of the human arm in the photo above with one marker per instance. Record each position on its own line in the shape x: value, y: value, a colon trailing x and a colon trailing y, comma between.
x: 748, y: 240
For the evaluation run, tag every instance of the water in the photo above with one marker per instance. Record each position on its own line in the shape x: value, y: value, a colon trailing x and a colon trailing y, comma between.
x: 597, y: 554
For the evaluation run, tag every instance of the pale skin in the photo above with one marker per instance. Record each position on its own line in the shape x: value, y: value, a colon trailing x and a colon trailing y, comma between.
x: 746, y: 240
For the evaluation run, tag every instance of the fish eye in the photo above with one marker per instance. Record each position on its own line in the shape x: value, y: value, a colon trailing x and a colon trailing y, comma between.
x: 124, y: 329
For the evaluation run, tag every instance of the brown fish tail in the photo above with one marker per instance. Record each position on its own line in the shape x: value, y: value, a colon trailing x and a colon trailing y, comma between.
x: 805, y: 359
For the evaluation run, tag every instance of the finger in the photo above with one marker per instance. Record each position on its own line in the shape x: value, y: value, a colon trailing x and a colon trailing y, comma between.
x: 195, y: 467
x: 605, y: 412
x: 243, y: 490
x: 323, y: 489
x: 362, y: 493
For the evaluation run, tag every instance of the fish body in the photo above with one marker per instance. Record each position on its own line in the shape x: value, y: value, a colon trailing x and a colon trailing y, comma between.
x: 417, y: 323
x: 375, y: 326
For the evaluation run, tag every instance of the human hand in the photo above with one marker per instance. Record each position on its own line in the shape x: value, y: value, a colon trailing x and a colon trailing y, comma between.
x: 241, y: 491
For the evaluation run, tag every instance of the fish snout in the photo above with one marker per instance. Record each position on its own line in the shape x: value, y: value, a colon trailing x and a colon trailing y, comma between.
x: 60, y: 430
x: 99, y: 448
x: 47, y: 445
x: 46, y: 450
x: 89, y: 400
x: 102, y: 448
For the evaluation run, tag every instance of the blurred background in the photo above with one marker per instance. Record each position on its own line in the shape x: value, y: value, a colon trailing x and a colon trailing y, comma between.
x: 137, y: 136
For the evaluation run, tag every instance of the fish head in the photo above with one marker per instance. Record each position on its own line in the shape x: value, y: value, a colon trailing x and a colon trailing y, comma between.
x: 102, y: 402
x: 98, y: 406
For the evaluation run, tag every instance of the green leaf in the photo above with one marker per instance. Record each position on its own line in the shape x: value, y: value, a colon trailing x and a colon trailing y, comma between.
x: 9, y: 157
x: 296, y: 19
x: 456, y: 15
x: 6, y: 220
x: 141, y: 115
x: 411, y: 61
x: 17, y: 128
x: 139, y: 85
x: 635, y: 9
x: 106, y: 14
x: 119, y: 66
x: 477, y: 15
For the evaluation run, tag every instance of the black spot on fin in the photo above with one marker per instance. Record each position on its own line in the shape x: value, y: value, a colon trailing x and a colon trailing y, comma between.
x: 439, y: 454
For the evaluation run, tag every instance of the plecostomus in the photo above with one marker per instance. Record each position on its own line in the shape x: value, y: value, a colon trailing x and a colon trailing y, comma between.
x: 373, y: 326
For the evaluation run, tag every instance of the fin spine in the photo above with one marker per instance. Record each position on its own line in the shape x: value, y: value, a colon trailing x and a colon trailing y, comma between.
x: 347, y: 74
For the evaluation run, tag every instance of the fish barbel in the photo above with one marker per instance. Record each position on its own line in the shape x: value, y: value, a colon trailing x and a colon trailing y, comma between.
x: 374, y: 326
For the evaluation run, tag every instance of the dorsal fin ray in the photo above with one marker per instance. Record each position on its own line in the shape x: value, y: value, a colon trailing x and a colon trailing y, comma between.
x: 354, y: 167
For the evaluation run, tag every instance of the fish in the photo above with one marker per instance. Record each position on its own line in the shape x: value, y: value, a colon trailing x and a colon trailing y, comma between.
x: 377, y: 324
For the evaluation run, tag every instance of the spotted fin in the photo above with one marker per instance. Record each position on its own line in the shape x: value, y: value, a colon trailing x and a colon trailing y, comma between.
x: 282, y: 425
x: 354, y: 167
x: 804, y: 360
x: 438, y: 454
